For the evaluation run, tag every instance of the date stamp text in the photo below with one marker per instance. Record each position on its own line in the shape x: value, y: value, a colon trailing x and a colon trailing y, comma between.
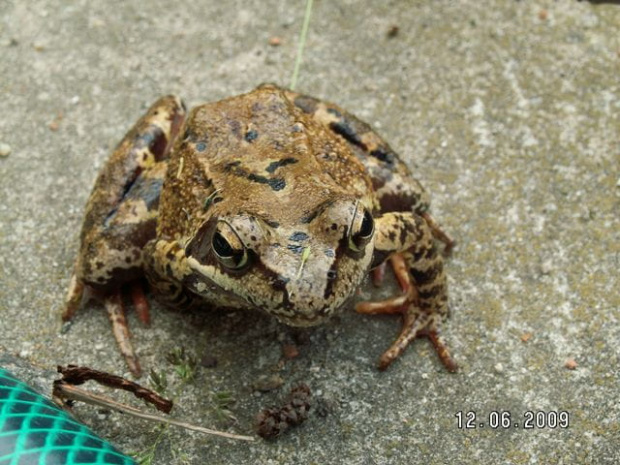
x: 506, y: 420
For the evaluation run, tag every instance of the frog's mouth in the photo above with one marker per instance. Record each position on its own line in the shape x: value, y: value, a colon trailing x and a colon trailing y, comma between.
x: 305, y: 316
x: 302, y: 320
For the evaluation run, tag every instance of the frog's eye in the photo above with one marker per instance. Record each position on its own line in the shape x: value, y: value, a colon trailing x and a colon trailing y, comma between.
x: 361, y: 231
x: 228, y: 248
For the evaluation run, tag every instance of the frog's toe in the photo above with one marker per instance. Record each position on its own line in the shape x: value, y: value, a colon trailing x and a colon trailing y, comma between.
x: 440, y: 234
x: 140, y: 304
x: 74, y: 297
x: 416, y: 325
x: 114, y: 306
x: 416, y: 322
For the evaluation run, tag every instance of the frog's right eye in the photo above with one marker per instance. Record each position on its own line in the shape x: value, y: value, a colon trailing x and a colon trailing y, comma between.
x: 228, y: 248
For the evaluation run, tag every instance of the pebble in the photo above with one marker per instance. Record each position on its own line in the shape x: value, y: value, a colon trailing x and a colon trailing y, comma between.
x: 546, y: 267
x: 499, y: 367
x: 570, y: 363
x: 5, y: 149
x: 38, y: 45
x: 290, y: 351
x: 266, y: 383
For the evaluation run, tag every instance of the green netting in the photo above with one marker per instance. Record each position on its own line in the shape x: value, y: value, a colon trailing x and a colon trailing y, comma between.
x: 34, y: 431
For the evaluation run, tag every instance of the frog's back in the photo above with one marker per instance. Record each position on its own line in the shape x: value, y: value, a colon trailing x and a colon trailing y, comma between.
x: 265, y: 153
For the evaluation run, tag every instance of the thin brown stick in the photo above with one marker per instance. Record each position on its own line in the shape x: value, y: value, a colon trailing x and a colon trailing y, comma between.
x: 76, y: 375
x: 65, y: 391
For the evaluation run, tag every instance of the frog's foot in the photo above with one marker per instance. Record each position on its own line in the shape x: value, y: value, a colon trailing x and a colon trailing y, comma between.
x: 114, y: 306
x: 439, y: 233
x: 79, y: 291
x: 416, y: 322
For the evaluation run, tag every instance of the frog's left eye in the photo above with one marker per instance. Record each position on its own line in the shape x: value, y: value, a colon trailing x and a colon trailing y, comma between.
x: 228, y: 248
x: 361, y: 231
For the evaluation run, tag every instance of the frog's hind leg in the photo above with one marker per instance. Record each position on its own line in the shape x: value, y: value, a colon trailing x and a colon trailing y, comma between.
x: 423, y: 302
x: 121, y: 217
x: 402, y: 199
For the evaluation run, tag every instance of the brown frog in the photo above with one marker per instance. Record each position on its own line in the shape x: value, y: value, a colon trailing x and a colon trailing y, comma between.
x: 269, y: 200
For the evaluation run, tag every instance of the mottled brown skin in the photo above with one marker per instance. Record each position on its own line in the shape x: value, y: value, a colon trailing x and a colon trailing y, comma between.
x: 269, y: 200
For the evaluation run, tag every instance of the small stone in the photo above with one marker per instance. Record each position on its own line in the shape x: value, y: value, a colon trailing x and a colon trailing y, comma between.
x: 266, y: 383
x: 499, y: 367
x: 55, y: 125
x: 5, y: 149
x: 275, y: 41
x: 526, y: 337
x: 570, y: 363
x: 38, y: 45
x: 546, y: 267
x: 393, y: 31
x: 290, y: 351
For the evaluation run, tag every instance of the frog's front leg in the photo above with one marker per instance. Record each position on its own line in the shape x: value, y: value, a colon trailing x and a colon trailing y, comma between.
x: 165, y: 267
x: 121, y: 216
x: 408, y: 240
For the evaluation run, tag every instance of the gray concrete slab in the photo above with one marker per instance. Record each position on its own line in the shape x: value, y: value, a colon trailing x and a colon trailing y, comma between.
x: 509, y: 112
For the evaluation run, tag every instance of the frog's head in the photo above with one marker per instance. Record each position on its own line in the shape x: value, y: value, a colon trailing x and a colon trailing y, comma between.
x: 302, y: 272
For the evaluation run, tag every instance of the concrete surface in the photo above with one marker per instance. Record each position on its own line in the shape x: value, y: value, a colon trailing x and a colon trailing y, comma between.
x: 510, y: 114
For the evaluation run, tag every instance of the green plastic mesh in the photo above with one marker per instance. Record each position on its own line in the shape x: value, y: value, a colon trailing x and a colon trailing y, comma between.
x: 34, y: 431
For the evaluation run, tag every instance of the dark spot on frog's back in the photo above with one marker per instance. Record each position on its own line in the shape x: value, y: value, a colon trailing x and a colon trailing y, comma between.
x: 386, y: 156
x: 274, y: 165
x: 309, y: 217
x: 232, y: 164
x: 298, y: 236
x: 235, y: 127
x: 234, y: 167
x: 333, y: 111
x: 272, y: 224
x: 251, y: 135
x: 295, y: 248
x: 306, y: 104
x: 277, y: 184
x: 342, y: 128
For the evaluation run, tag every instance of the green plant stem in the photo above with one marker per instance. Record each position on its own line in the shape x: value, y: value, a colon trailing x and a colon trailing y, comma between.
x: 302, y: 42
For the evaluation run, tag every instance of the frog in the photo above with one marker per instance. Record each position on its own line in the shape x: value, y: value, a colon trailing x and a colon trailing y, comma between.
x: 271, y: 200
